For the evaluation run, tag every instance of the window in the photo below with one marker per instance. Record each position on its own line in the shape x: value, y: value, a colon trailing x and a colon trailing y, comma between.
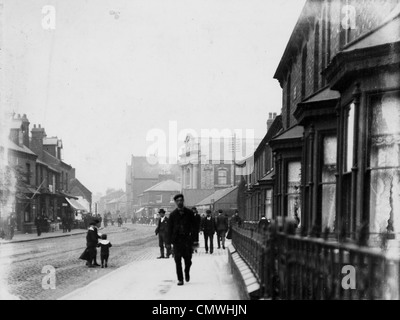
x: 384, y: 163
x: 37, y: 176
x: 316, y: 57
x: 288, y: 88
x: 327, y: 182
x: 188, y: 178
x: 222, y: 177
x: 28, y: 173
x: 326, y: 36
x: 303, y: 72
x: 268, y: 203
x: 293, y: 190
x: 349, y: 123
x: 347, y: 166
x: 159, y: 198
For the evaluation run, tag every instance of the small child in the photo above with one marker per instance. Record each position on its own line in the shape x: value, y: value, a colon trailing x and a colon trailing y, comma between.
x: 105, y: 250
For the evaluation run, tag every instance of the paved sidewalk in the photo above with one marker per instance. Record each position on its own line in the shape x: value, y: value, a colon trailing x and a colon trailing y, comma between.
x: 155, y: 279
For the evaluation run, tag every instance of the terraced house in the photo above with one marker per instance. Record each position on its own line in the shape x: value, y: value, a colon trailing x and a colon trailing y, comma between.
x: 336, y: 157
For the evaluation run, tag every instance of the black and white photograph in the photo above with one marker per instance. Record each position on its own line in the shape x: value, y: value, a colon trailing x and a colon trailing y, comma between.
x: 199, y: 155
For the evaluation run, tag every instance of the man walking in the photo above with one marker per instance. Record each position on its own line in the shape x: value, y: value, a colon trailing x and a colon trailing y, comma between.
x: 222, y: 228
x: 197, y: 219
x: 181, y: 233
x: 208, y: 228
x: 38, y: 224
x: 162, y: 232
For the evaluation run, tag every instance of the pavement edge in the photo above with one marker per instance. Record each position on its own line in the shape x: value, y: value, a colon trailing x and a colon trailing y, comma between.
x: 249, y: 288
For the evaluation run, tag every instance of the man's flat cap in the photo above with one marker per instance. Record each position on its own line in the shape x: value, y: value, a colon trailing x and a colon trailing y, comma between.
x: 180, y: 195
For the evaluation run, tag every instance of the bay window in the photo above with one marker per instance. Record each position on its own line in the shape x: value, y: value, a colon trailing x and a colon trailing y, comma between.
x: 384, y: 162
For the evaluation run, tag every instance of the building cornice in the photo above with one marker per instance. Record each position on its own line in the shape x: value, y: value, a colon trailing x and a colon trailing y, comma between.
x: 347, y: 64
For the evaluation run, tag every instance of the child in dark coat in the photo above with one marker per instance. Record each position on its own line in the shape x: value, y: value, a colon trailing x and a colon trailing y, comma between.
x: 105, y: 245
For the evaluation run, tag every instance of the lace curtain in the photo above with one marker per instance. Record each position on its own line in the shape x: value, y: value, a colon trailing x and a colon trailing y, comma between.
x: 385, y: 164
x: 329, y: 182
x: 293, y: 190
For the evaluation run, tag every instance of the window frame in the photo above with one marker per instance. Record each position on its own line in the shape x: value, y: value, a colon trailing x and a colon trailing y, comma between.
x: 322, y: 134
x: 284, y: 189
x: 368, y: 124
x: 220, y: 170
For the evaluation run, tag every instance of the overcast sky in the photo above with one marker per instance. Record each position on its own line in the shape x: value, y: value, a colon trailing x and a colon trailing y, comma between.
x: 113, y: 70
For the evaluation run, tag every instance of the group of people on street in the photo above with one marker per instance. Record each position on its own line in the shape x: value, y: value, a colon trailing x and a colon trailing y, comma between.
x: 211, y: 225
x: 179, y: 234
x: 94, y: 239
x: 42, y: 224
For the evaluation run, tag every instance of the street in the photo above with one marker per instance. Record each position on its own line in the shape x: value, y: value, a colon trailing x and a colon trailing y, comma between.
x: 21, y: 264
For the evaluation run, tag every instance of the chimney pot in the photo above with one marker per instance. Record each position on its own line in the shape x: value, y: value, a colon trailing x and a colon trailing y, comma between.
x: 34, y: 126
x: 39, y: 126
x: 19, y: 116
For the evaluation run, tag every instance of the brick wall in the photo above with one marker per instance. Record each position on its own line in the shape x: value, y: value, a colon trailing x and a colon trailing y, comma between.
x: 368, y: 13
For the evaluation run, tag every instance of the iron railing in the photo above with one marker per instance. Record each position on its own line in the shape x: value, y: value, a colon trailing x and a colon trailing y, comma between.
x: 293, y: 267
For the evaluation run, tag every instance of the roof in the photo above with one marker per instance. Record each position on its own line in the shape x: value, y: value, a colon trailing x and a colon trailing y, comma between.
x: 292, y: 133
x: 76, y: 183
x: 119, y: 199
x: 50, y: 141
x: 193, y: 196
x: 387, y: 32
x: 75, y: 204
x: 47, y: 165
x: 67, y: 195
x: 167, y: 185
x: 216, y: 196
x: 268, y: 176
x: 275, y: 128
x: 299, y: 33
x: 323, y: 95
x: 113, y: 195
x: 22, y: 148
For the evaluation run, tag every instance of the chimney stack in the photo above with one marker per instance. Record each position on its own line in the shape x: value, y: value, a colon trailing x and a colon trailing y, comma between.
x: 25, y: 130
x: 271, y: 118
x: 38, y: 134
